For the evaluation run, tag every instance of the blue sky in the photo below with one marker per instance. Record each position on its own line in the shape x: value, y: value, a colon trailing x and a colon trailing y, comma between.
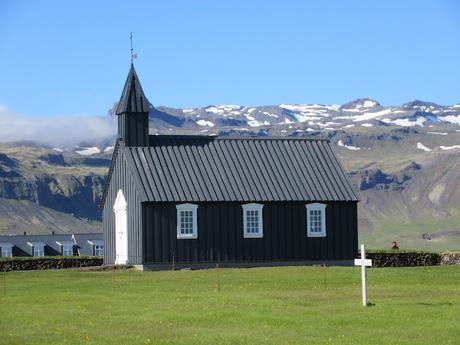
x: 62, y: 58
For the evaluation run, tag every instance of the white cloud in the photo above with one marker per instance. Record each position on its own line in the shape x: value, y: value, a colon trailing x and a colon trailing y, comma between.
x: 60, y: 130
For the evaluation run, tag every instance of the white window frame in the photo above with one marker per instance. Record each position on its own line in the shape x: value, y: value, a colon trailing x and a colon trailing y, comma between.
x: 10, y: 251
x: 40, y: 249
x: 259, y: 209
x: 98, y: 250
x: 316, y: 207
x: 97, y: 247
x: 36, y: 245
x: 66, y: 246
x: 67, y: 250
x: 194, y: 209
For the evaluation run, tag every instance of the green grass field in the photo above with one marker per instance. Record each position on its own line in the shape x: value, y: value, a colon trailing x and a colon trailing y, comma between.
x: 284, y: 305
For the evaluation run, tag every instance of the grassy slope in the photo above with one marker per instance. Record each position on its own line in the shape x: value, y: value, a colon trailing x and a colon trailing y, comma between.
x: 18, y: 216
x: 290, y: 305
x: 32, y: 166
x: 408, y: 233
x: 405, y: 216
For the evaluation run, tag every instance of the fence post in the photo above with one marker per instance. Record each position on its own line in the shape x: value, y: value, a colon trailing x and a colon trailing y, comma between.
x: 324, y: 274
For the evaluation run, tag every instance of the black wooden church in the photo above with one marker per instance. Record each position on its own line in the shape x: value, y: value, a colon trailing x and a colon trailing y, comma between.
x: 196, y: 200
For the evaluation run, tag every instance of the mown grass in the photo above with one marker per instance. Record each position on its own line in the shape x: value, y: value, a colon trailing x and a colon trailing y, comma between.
x: 284, y: 305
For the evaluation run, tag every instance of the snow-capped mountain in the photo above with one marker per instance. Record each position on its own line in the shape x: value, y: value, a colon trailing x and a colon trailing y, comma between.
x: 289, y: 118
x: 333, y: 121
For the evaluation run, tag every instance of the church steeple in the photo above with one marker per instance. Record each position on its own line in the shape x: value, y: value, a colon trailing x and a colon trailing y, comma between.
x: 133, y: 112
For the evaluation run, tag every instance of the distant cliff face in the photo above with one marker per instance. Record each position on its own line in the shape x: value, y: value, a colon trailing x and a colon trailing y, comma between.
x: 404, y: 161
x: 65, y: 182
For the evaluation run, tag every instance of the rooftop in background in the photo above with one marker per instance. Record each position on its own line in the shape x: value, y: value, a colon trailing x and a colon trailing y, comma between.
x: 52, y: 243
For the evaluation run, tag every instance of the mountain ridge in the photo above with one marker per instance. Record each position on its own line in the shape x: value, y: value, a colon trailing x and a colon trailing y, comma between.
x: 404, y: 161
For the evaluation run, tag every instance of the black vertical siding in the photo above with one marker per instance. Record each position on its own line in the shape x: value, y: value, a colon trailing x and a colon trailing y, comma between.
x: 133, y: 128
x: 122, y: 179
x: 220, y: 234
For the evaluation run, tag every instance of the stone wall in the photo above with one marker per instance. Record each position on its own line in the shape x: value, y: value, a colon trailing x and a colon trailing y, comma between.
x: 450, y: 258
x: 403, y: 259
x: 22, y: 264
x: 379, y: 259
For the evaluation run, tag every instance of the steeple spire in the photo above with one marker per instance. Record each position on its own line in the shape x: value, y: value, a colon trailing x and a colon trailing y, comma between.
x: 132, y: 99
x: 133, y: 112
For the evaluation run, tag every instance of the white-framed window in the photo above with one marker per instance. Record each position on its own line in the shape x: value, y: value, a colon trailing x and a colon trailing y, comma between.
x: 253, y: 221
x: 39, y: 250
x: 67, y: 250
x: 98, y: 247
x: 98, y: 250
x: 316, y: 220
x: 66, y: 247
x: 6, y: 250
x: 187, y: 225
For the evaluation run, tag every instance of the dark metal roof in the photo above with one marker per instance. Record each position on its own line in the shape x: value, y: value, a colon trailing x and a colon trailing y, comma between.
x: 133, y: 99
x: 199, y: 168
x: 22, y: 247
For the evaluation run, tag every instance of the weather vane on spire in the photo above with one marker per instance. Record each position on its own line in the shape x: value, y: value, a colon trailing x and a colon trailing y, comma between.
x: 133, y: 54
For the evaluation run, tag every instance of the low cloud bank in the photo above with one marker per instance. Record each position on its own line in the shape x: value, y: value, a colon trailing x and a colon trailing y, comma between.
x: 62, y: 130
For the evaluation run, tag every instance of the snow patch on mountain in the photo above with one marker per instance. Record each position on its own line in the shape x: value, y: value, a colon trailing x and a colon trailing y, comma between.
x: 349, y: 147
x: 221, y: 109
x: 438, y: 133
x: 406, y: 122
x: 370, y: 116
x: 327, y: 124
x: 205, y: 123
x: 88, y: 151
x: 286, y: 122
x: 302, y: 117
x: 255, y: 123
x: 422, y: 147
x: 449, y: 147
x: 270, y: 114
x: 455, y: 119
x: 310, y: 107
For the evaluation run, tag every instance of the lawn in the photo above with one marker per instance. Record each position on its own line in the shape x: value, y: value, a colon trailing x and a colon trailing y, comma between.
x: 283, y: 305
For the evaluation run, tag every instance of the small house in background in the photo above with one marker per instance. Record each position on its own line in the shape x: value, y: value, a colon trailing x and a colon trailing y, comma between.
x: 90, y: 244
x: 201, y: 200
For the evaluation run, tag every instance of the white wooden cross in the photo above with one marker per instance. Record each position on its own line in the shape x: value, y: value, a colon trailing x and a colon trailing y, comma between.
x: 363, y: 262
